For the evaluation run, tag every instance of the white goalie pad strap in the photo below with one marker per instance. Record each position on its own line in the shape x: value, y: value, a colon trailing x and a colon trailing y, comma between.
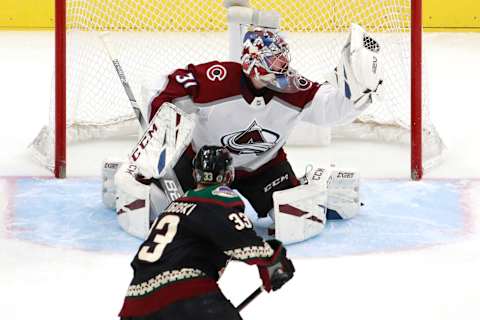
x: 132, y: 203
x: 109, y: 169
x: 359, y: 72
x: 163, y: 141
x: 343, y: 190
x: 300, y: 213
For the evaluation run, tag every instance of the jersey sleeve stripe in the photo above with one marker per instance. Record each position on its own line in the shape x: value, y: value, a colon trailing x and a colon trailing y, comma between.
x: 252, y: 254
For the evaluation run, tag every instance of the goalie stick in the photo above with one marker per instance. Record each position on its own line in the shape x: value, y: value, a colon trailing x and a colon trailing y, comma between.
x: 121, y: 75
x: 168, y: 181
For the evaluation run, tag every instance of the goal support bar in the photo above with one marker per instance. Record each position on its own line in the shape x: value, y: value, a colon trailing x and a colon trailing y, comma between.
x: 416, y: 90
x: 60, y: 89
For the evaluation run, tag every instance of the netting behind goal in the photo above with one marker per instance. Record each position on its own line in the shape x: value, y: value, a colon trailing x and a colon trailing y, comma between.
x: 154, y: 37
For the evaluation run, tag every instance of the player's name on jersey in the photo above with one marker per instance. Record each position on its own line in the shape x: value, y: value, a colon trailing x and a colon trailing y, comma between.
x: 180, y: 207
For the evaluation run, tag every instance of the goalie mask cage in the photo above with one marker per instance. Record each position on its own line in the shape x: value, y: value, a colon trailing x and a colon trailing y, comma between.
x: 154, y: 37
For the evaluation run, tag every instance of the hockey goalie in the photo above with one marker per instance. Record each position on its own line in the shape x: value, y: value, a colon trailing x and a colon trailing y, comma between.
x: 250, y: 107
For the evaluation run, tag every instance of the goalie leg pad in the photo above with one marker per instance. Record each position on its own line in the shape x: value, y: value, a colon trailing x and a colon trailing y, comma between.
x: 300, y: 213
x: 133, y: 202
x: 109, y: 169
x: 342, y: 189
x: 163, y: 141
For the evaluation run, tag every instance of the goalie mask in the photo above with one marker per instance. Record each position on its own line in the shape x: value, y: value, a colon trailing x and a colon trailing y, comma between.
x: 266, y: 58
x: 213, y: 165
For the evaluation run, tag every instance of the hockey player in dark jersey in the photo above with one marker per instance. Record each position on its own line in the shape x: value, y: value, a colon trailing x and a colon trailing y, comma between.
x: 177, y: 267
x: 251, y: 108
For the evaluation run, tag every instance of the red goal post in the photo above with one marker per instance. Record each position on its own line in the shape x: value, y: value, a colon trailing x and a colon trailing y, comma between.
x: 60, y: 166
x: 203, y: 21
x: 416, y: 166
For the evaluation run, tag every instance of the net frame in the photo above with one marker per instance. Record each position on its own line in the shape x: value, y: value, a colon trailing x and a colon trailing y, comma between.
x: 61, y: 137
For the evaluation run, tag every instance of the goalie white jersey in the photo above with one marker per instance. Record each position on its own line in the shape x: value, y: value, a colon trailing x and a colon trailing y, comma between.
x: 253, y: 124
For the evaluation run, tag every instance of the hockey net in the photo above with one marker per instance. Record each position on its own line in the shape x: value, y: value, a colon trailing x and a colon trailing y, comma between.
x: 155, y: 37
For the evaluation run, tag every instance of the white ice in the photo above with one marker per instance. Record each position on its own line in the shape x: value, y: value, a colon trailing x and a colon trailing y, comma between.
x: 441, y: 282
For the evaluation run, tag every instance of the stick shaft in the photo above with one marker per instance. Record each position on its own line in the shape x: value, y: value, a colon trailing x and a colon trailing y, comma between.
x: 250, y: 298
x: 123, y: 79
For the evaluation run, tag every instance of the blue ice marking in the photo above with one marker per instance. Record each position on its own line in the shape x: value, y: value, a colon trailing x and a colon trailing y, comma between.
x: 68, y: 213
x: 397, y: 215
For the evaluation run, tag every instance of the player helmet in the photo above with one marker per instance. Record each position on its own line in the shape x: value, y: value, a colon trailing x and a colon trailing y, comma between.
x: 266, y: 58
x: 213, y: 165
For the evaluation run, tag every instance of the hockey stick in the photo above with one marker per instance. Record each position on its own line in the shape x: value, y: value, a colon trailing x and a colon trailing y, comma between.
x: 250, y: 298
x: 169, y: 180
x: 121, y: 75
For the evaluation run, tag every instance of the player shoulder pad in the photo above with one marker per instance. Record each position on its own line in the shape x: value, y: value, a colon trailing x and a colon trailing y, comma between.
x: 303, y: 96
x: 217, y: 80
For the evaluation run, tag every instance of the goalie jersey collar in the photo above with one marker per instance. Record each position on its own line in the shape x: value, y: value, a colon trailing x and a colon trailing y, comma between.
x: 249, y: 92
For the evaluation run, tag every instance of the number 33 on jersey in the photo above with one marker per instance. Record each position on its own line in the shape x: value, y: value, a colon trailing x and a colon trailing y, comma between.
x: 214, y: 214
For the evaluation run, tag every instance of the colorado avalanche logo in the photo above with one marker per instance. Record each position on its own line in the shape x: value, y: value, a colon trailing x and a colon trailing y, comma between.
x: 216, y: 72
x: 253, y: 140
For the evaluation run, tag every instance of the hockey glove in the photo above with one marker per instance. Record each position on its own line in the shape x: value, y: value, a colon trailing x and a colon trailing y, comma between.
x: 279, y: 270
x: 360, y: 70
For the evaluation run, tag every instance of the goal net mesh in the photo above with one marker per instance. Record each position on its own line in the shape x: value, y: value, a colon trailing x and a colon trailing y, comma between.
x: 154, y: 37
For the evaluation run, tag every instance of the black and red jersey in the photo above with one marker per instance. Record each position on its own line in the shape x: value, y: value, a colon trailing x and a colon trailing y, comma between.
x: 188, y: 246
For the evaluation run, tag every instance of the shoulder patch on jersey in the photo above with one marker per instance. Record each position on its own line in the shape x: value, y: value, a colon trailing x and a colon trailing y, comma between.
x: 217, y: 81
x: 217, y: 72
x: 303, y: 84
x: 224, y: 191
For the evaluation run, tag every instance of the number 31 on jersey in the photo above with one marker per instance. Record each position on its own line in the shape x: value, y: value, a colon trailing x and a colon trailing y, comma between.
x: 186, y: 80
